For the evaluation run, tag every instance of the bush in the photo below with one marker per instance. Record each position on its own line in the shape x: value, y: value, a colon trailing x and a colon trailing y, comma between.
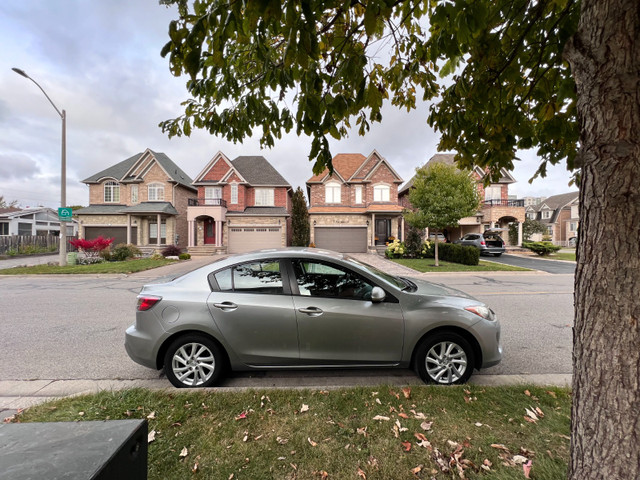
x: 413, y: 243
x: 124, y: 251
x: 184, y: 256
x: 541, y: 248
x: 156, y: 256
x: 452, y: 252
x: 92, y: 248
x: 395, y: 249
x: 171, y: 251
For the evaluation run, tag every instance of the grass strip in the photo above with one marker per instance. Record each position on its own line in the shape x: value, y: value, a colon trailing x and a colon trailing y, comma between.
x: 127, y: 266
x: 428, y: 265
x: 570, y: 256
x: 468, y: 432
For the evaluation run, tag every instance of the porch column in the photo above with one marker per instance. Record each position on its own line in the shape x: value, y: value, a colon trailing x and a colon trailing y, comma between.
x: 218, y: 233
x: 520, y: 234
x: 128, y: 228
x: 190, y: 233
x: 159, y: 220
x: 373, y: 230
x: 402, y: 229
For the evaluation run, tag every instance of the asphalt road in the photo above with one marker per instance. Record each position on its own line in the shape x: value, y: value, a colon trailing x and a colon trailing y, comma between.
x: 72, y: 327
x: 534, y: 263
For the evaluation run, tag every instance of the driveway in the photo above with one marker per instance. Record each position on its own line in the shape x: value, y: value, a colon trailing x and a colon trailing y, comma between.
x: 535, y: 263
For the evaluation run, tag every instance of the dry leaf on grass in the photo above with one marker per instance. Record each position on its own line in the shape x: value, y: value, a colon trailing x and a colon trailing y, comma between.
x: 417, y: 470
x: 381, y: 417
x: 406, y: 446
x: 406, y: 391
x: 151, y: 436
x: 151, y: 416
x: 311, y: 442
x: 426, y: 426
x: 184, y: 452
x: 304, y: 408
x: 526, y: 468
x: 361, y: 474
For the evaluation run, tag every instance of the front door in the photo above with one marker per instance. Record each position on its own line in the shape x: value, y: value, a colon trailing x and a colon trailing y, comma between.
x: 383, y: 227
x: 209, y: 232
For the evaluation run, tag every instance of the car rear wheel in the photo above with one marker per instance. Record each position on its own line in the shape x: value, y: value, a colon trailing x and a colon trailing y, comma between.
x: 445, y: 359
x: 193, y: 361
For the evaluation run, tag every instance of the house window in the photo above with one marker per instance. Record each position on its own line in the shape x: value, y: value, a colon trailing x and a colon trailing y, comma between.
x: 4, y: 228
x: 550, y: 230
x: 212, y: 195
x: 234, y: 193
x: 546, y: 214
x: 153, y: 232
x: 493, y: 193
x: 573, y: 226
x: 156, y: 192
x: 264, y: 197
x: 111, y: 192
x: 381, y: 193
x: 358, y: 193
x: 25, y: 229
x: 332, y: 193
x: 134, y: 193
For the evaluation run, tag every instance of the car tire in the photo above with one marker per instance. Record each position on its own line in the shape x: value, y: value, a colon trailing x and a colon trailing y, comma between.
x: 193, y: 361
x: 445, y: 359
x: 497, y: 254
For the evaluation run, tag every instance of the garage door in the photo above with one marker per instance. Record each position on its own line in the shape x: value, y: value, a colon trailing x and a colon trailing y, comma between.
x: 119, y: 233
x: 341, y: 239
x: 246, y: 239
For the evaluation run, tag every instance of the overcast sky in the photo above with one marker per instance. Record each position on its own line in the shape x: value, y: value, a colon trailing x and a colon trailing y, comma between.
x: 100, y: 61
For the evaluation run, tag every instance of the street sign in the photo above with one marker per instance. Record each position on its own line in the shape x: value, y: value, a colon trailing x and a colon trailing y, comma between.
x: 65, y: 214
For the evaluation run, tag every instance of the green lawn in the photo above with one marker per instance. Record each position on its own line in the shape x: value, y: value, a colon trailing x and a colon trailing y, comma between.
x: 377, y: 433
x: 571, y: 256
x: 428, y: 265
x: 128, y: 266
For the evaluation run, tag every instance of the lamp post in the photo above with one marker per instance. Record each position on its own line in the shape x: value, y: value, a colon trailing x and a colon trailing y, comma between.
x: 63, y: 176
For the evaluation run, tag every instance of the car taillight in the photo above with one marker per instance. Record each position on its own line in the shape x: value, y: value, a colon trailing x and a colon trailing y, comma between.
x: 145, y: 303
x: 482, y: 242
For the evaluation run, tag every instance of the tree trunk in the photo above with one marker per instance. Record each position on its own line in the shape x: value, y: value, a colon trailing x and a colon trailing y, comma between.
x: 605, y: 61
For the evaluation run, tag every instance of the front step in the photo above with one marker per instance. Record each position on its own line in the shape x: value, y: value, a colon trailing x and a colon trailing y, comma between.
x: 206, y: 250
x: 380, y: 249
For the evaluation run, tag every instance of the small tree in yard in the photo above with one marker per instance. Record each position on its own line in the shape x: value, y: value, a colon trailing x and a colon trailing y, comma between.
x: 92, y: 248
x: 299, y: 219
x: 442, y: 195
x: 529, y: 227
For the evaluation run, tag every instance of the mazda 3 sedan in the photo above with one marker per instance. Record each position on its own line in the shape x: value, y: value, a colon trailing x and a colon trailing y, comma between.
x: 308, y: 308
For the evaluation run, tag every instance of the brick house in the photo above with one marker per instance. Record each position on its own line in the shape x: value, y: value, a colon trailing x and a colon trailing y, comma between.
x: 241, y: 205
x: 559, y: 213
x: 497, y: 210
x: 356, y: 208
x: 141, y: 200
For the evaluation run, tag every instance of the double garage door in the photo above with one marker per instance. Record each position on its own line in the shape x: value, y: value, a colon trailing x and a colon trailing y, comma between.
x: 119, y: 233
x: 341, y: 239
x: 247, y: 239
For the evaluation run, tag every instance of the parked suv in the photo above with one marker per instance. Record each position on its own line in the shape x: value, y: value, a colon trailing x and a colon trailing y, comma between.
x: 489, y: 243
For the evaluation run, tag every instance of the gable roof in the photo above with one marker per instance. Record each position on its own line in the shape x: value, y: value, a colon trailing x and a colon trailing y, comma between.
x: 256, y: 170
x: 349, y: 167
x: 120, y: 171
x: 449, y: 159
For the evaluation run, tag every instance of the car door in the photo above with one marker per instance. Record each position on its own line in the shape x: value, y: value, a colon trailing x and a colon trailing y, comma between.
x: 253, y: 309
x: 338, y: 324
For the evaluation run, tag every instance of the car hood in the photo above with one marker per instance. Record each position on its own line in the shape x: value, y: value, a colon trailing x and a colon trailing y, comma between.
x: 437, y: 289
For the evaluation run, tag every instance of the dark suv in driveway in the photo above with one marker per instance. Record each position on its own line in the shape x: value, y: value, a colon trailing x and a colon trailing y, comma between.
x: 489, y: 243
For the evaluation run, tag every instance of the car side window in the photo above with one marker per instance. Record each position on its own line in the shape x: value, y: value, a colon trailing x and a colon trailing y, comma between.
x: 318, y: 279
x: 255, y: 277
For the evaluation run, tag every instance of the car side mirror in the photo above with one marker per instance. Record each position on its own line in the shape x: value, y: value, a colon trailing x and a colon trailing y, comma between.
x: 377, y: 295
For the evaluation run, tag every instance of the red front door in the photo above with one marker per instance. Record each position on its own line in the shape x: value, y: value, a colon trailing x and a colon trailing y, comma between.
x: 209, y: 232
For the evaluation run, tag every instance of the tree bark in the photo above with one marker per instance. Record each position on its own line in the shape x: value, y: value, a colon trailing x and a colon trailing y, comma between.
x: 605, y: 60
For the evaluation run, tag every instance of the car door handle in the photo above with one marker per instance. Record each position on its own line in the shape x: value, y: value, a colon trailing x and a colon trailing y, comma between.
x: 311, y: 311
x: 226, y: 306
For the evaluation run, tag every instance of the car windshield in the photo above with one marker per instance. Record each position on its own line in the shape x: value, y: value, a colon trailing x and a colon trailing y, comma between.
x: 393, y: 280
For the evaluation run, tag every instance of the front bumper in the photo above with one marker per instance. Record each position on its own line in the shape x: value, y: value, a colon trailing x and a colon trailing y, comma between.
x: 487, y: 333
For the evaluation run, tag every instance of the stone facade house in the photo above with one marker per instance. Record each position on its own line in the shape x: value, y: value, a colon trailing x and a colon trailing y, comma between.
x: 141, y: 200
x: 559, y: 213
x: 241, y: 205
x: 355, y: 208
x: 496, y: 211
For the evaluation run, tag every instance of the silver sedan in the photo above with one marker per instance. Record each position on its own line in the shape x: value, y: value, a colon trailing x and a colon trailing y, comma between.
x: 308, y: 308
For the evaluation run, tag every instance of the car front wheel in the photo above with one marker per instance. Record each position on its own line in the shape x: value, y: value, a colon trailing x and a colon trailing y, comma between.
x: 445, y: 359
x: 193, y: 361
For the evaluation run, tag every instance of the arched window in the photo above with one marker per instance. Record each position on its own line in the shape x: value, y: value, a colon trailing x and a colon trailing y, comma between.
x: 155, y: 192
x: 332, y: 192
x: 111, y: 192
x: 381, y: 193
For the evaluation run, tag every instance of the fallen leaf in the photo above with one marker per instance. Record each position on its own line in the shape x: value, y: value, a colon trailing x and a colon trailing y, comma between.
x: 500, y: 446
x: 539, y: 412
x: 406, y: 446
x: 486, y: 465
x: 529, y: 419
x: 519, y: 459
x: 478, y: 424
x: 294, y: 466
x: 526, y: 468
x: 81, y: 414
x: 531, y: 413
x: 400, y: 427
x: 553, y: 394
x: 453, y: 444
x: 420, y: 436
x: 403, y: 415
x: 362, y: 431
x: 378, y: 401
x: 391, y: 392
x: 311, y: 442
x: 361, y: 474
x: 242, y: 416
x: 419, y: 415
x: 184, y: 452
x: 195, y: 467
x: 151, y: 416
x: 426, y: 426
x: 281, y: 440
x: 304, y: 408
x: 406, y: 391
x: 322, y: 474
x: 417, y: 470
x: 381, y: 417
x: 527, y: 393
x: 151, y: 436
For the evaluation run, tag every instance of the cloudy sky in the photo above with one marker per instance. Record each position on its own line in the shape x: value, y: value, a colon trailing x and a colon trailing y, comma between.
x: 100, y: 61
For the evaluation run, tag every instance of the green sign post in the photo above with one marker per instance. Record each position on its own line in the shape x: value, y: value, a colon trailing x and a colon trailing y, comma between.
x: 65, y: 214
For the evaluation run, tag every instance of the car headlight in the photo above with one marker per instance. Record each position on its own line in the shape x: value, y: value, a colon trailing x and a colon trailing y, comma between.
x: 482, y: 311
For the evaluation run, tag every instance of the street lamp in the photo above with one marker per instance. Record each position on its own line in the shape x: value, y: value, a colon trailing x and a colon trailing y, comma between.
x: 63, y: 177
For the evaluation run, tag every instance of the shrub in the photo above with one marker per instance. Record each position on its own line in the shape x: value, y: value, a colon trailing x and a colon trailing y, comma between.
x: 395, y: 249
x: 171, y: 251
x: 413, y: 243
x: 541, y: 248
x: 184, y: 256
x: 156, y: 256
x: 124, y: 251
x: 92, y: 248
x: 452, y: 252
